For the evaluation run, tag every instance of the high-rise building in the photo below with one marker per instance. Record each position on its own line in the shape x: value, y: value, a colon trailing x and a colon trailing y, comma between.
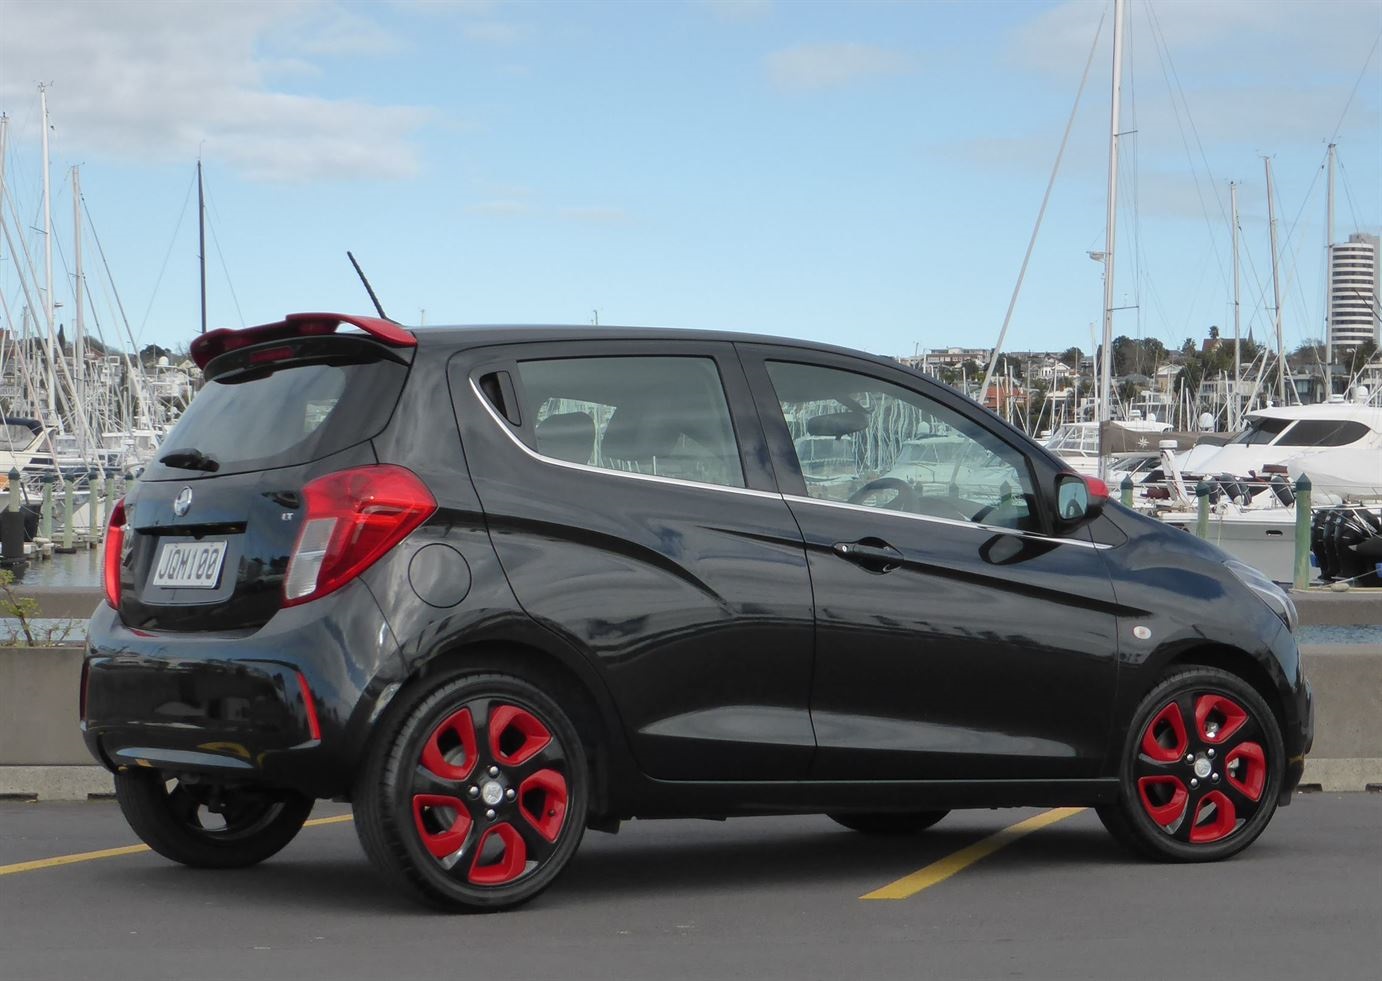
x: 1354, y: 276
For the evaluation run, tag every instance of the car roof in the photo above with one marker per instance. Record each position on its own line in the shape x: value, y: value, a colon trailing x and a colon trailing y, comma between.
x: 481, y: 335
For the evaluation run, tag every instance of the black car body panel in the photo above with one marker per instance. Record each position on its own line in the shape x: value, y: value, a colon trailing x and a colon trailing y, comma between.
x: 726, y: 657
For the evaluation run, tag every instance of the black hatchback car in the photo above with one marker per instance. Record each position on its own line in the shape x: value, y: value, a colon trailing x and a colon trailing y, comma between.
x: 494, y: 586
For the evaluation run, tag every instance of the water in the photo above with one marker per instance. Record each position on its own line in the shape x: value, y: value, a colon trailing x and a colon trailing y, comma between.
x: 82, y: 568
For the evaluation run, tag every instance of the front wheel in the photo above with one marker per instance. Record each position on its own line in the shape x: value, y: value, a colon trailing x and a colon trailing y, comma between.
x: 1201, y: 770
x: 904, y: 823
x: 206, y: 825
x: 476, y: 797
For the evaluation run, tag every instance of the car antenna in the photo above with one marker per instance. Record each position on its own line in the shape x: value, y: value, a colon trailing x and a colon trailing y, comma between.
x: 368, y: 288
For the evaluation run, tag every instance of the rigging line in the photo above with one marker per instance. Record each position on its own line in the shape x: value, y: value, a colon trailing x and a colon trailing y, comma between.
x: 1165, y: 60
x: 119, y: 304
x: 221, y: 255
x: 153, y: 295
x: 1348, y: 190
x: 1358, y: 81
x: 1041, y: 212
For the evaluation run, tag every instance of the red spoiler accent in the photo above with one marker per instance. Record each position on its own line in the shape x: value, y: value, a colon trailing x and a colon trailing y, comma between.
x: 223, y: 339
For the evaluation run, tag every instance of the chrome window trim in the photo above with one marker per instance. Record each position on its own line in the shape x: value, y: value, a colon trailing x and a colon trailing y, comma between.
x: 953, y: 522
x: 507, y: 430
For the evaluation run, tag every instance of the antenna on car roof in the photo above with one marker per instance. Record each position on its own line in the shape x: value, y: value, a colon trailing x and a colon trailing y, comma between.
x: 368, y: 288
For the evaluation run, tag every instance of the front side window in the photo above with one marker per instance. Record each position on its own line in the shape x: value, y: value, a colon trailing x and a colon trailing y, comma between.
x: 863, y: 441
x: 1261, y: 430
x: 659, y: 416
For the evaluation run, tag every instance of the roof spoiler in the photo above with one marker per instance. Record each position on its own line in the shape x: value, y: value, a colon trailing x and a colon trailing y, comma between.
x: 217, y: 342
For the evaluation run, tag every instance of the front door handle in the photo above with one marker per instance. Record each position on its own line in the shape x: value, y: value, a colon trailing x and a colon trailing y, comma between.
x: 872, y: 554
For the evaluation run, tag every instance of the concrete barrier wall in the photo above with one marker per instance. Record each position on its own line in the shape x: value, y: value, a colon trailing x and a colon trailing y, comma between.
x: 42, y: 753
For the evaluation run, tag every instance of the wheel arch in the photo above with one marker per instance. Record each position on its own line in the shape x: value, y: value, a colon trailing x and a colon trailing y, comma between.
x: 591, y: 710
x: 1236, y: 662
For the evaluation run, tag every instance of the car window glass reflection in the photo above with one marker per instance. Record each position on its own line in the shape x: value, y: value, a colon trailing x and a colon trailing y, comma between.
x: 661, y: 416
x: 863, y: 441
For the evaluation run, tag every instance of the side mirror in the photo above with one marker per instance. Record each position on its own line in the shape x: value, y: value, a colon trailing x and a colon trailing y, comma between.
x: 1078, y: 497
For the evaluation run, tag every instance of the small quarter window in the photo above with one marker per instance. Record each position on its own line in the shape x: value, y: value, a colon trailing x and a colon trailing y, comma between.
x: 660, y: 416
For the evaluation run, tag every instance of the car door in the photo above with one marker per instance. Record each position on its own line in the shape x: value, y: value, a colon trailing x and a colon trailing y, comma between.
x: 957, y: 637
x: 633, y: 508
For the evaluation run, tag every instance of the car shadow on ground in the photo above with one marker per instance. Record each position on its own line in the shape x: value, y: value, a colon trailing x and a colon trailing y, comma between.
x: 610, y: 868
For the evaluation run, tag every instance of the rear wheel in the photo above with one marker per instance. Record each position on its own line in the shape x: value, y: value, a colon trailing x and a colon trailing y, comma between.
x: 476, y: 797
x: 207, y: 825
x: 1201, y: 771
x: 906, y: 823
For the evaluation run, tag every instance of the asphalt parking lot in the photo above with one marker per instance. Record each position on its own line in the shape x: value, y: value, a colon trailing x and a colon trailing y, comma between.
x: 751, y: 898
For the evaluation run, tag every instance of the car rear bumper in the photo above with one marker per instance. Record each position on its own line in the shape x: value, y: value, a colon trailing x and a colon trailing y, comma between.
x: 287, y: 705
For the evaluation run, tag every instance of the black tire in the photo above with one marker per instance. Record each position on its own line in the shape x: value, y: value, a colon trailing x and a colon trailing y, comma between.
x: 423, y: 799
x: 1202, y: 788
x: 207, y: 826
x: 904, y: 823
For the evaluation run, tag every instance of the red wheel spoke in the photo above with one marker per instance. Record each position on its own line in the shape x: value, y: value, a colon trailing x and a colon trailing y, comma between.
x: 542, y: 802
x: 1245, y: 768
x: 450, y: 750
x: 1217, y: 718
x: 1164, y: 799
x: 516, y: 735
x: 1165, y: 740
x: 511, y: 862
x: 1209, y: 826
x: 442, y: 823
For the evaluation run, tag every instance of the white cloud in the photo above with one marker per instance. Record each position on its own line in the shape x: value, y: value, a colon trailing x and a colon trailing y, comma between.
x: 595, y: 215
x: 739, y: 11
x: 807, y: 67
x: 159, y: 81
x: 503, y: 208
x: 494, y: 32
x: 1258, y: 37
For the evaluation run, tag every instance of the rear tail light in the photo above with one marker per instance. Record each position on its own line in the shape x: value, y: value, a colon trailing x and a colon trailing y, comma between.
x: 115, y: 549
x: 353, y: 517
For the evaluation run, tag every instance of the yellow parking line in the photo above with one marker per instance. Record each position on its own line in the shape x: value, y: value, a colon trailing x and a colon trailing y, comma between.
x: 48, y: 863
x: 942, y: 869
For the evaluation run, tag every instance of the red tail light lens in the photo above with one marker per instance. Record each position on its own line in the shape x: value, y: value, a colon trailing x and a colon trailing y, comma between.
x: 115, y: 548
x: 353, y: 518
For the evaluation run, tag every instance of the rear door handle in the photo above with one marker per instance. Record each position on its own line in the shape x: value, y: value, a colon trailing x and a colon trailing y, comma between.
x: 872, y: 554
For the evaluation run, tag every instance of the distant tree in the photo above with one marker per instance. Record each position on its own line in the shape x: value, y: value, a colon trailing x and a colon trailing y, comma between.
x: 1071, y: 356
x: 1213, y: 332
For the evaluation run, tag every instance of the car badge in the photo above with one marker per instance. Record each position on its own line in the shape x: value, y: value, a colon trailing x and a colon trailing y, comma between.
x: 183, y: 502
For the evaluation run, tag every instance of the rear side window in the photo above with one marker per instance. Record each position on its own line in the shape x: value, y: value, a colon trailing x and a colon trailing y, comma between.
x: 293, y: 415
x: 660, y: 416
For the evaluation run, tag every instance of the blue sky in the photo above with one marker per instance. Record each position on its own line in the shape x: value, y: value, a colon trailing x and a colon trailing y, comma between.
x: 858, y: 173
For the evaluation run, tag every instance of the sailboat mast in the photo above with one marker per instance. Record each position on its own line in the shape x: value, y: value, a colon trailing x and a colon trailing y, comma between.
x: 1106, y: 362
x: 1276, y: 287
x: 78, y: 343
x: 1329, y: 279
x: 51, y: 342
x: 201, y: 238
x: 1235, y: 412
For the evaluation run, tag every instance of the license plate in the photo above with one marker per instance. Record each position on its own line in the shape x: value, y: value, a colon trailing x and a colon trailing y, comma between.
x: 189, y: 565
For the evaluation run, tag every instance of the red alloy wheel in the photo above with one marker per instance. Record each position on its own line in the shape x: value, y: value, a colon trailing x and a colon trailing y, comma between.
x: 1201, y: 768
x: 489, y: 793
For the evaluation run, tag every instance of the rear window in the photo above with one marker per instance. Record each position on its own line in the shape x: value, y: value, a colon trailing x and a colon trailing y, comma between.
x: 296, y: 414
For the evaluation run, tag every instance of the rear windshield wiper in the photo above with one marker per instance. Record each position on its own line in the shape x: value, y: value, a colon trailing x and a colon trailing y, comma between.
x: 190, y: 460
